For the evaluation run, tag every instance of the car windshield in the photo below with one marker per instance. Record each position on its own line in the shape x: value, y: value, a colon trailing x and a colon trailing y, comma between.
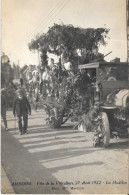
x: 114, y: 73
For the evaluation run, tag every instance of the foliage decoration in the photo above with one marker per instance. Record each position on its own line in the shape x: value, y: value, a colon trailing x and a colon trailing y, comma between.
x: 68, y: 38
x: 70, y: 90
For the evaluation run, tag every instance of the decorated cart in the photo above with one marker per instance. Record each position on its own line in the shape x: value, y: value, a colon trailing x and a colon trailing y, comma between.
x: 97, y: 98
x: 94, y: 95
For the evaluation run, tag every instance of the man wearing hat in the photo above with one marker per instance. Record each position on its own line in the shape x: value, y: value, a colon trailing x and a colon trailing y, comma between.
x: 21, y: 87
x: 21, y: 108
x: 96, y: 56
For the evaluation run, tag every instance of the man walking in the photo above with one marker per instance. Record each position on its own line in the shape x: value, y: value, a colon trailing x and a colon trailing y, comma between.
x: 21, y: 108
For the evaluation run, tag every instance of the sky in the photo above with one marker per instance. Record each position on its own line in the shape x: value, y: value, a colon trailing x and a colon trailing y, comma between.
x: 22, y: 20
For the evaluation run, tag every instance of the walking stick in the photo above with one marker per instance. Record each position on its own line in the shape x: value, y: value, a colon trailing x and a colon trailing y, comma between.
x: 15, y: 121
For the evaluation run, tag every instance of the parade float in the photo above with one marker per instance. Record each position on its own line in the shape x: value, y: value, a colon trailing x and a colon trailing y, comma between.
x: 81, y: 86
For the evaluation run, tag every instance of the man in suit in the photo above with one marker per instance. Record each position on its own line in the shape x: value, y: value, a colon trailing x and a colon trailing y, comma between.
x: 21, y: 108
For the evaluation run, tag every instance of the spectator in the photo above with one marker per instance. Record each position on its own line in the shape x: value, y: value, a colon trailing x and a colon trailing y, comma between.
x: 96, y: 56
x: 51, y: 63
x: 21, y: 87
x: 4, y: 107
x: 21, y: 108
x: 46, y: 75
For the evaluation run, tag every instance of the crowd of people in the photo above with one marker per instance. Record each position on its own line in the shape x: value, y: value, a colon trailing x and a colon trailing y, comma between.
x: 45, y: 82
x: 38, y: 83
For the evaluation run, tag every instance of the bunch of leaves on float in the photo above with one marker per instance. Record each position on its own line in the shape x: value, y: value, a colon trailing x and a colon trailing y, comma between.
x: 69, y: 95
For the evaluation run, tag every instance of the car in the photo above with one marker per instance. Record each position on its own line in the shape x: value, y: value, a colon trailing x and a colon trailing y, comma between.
x: 109, y: 98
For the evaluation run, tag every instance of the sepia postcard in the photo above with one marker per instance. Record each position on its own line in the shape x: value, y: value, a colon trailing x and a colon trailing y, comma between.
x: 64, y: 97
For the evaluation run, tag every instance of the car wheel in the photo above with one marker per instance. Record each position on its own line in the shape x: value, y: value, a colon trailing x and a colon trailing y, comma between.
x: 106, y: 129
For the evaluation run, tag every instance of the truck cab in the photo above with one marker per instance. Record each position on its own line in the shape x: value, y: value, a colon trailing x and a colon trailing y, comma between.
x: 109, y: 81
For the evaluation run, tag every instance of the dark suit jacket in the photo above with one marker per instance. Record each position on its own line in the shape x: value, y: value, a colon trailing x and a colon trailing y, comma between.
x: 21, y: 106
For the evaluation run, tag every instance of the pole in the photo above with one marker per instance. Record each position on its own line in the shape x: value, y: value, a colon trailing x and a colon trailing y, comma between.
x: 15, y: 122
x: 107, y: 54
x: 38, y: 58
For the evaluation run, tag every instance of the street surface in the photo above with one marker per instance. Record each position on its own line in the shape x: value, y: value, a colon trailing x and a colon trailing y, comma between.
x: 61, y: 161
x: 6, y: 187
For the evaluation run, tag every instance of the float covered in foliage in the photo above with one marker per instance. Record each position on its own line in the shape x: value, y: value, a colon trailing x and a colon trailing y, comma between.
x: 63, y: 88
